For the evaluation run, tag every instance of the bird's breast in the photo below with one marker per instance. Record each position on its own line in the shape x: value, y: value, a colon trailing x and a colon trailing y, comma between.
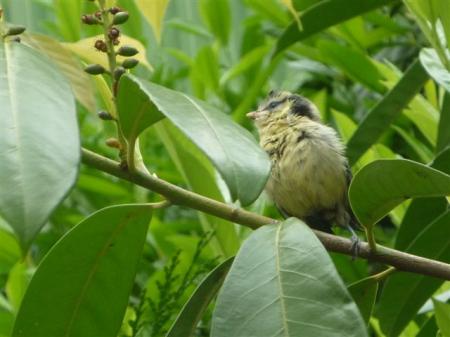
x: 308, y: 171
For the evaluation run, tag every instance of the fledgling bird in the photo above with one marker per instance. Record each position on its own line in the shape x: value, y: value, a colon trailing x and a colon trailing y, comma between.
x: 310, y: 174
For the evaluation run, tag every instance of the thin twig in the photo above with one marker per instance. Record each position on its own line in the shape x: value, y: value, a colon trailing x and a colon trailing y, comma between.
x: 177, y: 195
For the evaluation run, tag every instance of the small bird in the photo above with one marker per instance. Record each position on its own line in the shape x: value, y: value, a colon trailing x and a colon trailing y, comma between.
x: 310, y: 174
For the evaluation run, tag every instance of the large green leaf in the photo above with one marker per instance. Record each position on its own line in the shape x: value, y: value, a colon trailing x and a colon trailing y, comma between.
x: 386, y: 111
x: 383, y: 184
x: 442, y: 314
x: 82, y: 285
x: 325, y: 14
x: 187, y: 320
x: 201, y: 178
x: 405, y: 293
x: 242, y: 163
x: 422, y: 211
x: 283, y: 283
x: 39, y: 142
x: 364, y: 293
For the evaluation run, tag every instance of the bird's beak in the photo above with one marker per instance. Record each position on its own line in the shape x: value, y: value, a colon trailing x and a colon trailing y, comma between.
x: 252, y: 115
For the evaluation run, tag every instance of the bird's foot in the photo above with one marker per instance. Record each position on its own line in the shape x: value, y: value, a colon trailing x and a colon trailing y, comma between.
x: 355, y: 243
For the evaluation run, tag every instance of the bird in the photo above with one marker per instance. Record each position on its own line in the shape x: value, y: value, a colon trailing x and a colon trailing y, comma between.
x: 310, y: 175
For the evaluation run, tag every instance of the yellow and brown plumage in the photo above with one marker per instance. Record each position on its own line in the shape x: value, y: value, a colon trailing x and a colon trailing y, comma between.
x: 310, y: 176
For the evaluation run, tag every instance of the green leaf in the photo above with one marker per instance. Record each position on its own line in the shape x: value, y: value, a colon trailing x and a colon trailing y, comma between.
x: 200, y: 177
x: 242, y: 163
x: 364, y: 293
x: 443, y: 139
x: 405, y: 293
x: 383, y: 184
x: 187, y: 320
x: 69, y: 66
x: 217, y: 16
x: 355, y: 64
x: 283, y: 282
x: 423, y: 211
x: 39, y: 141
x: 386, y: 111
x: 420, y: 213
x: 324, y: 15
x: 429, y: 328
x: 434, y: 67
x: 82, y: 285
x: 442, y: 314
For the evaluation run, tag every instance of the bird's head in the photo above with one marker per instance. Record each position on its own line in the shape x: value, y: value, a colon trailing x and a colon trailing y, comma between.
x: 285, y: 107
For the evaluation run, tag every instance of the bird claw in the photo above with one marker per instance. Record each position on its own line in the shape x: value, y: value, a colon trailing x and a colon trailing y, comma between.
x: 355, y: 243
x: 355, y: 246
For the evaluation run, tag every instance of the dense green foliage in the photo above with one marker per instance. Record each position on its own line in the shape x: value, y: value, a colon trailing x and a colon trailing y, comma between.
x: 83, y: 254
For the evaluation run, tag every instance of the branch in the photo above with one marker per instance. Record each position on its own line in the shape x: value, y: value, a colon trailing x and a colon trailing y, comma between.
x: 177, y: 195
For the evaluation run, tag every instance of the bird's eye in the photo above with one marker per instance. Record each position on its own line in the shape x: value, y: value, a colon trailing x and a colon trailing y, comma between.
x: 273, y: 105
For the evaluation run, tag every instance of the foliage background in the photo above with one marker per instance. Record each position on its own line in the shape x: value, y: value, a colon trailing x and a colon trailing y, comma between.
x: 221, y: 51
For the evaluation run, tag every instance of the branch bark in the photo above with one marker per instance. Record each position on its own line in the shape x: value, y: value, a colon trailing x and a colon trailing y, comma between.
x: 177, y: 195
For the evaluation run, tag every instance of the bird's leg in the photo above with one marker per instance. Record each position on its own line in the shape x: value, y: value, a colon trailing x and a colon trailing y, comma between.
x: 355, y: 242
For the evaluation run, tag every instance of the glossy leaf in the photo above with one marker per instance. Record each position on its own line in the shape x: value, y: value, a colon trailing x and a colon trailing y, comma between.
x: 283, y: 283
x: 82, y: 285
x: 69, y: 66
x: 39, y: 141
x: 381, y: 185
x: 324, y: 15
x: 364, y: 293
x: 200, y: 176
x: 423, y: 211
x: 405, y: 293
x: 153, y: 11
x: 432, y: 64
x: 242, y: 163
x: 85, y: 50
x: 386, y: 111
x: 187, y: 320
x: 442, y: 314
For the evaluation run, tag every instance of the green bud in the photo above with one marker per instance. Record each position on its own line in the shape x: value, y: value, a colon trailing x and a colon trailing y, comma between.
x: 15, y: 30
x: 130, y: 63
x: 105, y: 115
x: 95, y: 69
x: 119, y: 71
x: 120, y: 17
x: 127, y: 51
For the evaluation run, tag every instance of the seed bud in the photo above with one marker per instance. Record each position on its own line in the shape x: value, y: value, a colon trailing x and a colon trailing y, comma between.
x: 130, y: 63
x: 105, y: 115
x: 15, y: 30
x: 113, y: 142
x: 118, y: 72
x: 95, y: 69
x: 89, y: 19
x: 120, y: 17
x: 127, y: 51
x: 115, y: 10
x: 101, y: 45
x: 113, y: 33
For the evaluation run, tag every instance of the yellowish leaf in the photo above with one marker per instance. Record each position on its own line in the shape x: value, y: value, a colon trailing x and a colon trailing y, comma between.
x: 154, y: 11
x: 71, y: 68
x: 290, y: 6
x: 85, y: 50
